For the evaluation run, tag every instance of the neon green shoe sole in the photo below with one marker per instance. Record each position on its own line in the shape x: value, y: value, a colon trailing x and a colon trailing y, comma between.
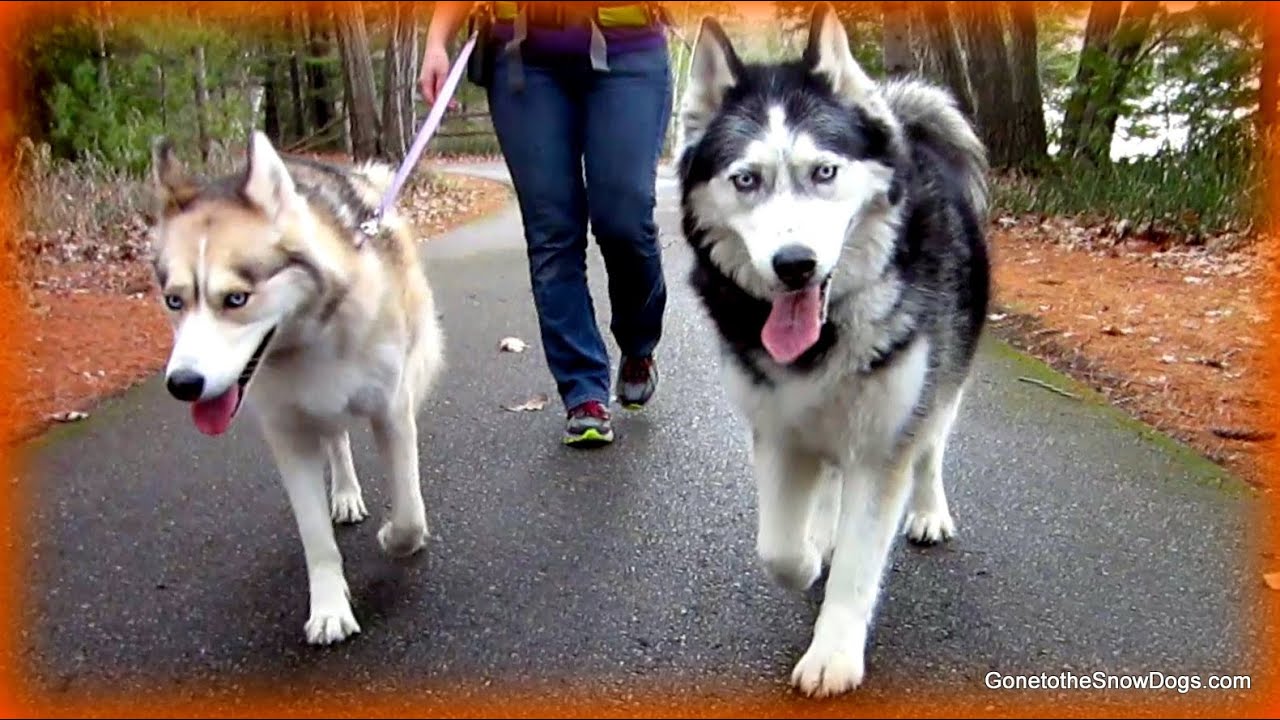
x: 588, y: 425
x: 591, y: 437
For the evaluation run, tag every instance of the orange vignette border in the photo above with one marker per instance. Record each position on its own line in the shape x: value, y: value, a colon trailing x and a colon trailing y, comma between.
x: 22, y: 698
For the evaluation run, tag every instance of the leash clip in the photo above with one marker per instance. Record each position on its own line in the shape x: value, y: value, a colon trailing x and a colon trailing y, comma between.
x: 369, y: 229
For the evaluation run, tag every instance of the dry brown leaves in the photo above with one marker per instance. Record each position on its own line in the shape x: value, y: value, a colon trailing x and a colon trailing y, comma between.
x: 1169, y: 333
x: 442, y: 201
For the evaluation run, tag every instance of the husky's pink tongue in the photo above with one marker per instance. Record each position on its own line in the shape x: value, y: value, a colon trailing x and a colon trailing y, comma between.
x: 213, y: 417
x: 794, y: 324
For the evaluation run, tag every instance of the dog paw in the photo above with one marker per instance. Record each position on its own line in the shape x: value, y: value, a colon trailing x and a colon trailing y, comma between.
x: 928, y: 528
x: 347, y: 508
x: 399, y: 542
x: 330, y: 625
x: 794, y: 572
x: 833, y: 665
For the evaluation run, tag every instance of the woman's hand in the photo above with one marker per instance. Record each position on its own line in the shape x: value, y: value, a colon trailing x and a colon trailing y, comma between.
x: 435, y: 68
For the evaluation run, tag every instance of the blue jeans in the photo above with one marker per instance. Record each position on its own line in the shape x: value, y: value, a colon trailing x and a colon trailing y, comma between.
x: 569, y: 120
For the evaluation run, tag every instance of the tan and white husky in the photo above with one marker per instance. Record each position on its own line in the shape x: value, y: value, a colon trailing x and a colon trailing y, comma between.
x: 277, y: 310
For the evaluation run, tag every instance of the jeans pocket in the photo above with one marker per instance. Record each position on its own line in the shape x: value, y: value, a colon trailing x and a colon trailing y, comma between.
x: 651, y: 62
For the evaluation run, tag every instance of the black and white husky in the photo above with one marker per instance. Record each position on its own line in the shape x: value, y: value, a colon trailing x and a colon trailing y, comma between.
x: 837, y: 226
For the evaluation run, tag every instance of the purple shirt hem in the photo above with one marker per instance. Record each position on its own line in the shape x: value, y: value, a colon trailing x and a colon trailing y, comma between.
x: 577, y: 41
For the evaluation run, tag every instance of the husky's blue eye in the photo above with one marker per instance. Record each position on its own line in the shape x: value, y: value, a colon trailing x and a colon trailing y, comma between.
x: 236, y: 299
x: 745, y: 180
x: 173, y: 302
x: 824, y: 173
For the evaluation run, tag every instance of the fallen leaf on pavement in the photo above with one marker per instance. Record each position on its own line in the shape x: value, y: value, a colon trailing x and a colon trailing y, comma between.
x: 512, y: 344
x: 533, y: 404
x: 68, y: 416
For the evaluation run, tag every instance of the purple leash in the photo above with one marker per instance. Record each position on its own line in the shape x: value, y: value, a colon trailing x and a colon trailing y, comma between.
x: 370, y: 227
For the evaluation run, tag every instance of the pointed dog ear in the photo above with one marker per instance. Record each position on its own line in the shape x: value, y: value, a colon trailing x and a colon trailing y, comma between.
x: 267, y: 183
x: 714, y: 68
x: 172, y: 188
x: 828, y: 56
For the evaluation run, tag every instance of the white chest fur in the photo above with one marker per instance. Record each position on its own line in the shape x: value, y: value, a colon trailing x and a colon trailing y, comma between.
x: 326, y: 389
x: 834, y: 411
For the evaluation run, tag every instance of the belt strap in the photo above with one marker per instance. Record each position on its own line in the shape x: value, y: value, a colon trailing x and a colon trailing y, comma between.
x: 599, y: 48
x: 515, y: 67
x: 622, y: 15
x: 633, y: 15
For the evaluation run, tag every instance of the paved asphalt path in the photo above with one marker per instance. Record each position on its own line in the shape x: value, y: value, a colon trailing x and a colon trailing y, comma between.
x: 164, y: 558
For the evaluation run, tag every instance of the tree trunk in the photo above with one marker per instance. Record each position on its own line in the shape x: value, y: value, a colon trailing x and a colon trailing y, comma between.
x: 1268, y: 77
x: 991, y: 79
x: 164, y: 97
x: 1126, y: 46
x: 251, y: 93
x: 319, y: 85
x: 924, y: 62
x: 1103, y: 18
x: 898, y: 59
x: 297, y: 104
x: 679, y: 62
x: 1102, y: 109
x: 944, y: 50
x: 202, y: 105
x: 408, y: 45
x: 271, y: 98
x: 104, y: 65
x: 362, y: 109
x: 344, y: 115
x: 1032, y: 145
x: 394, y: 130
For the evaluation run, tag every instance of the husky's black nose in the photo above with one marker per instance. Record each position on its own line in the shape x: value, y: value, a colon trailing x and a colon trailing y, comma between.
x: 794, y: 265
x: 185, y: 385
